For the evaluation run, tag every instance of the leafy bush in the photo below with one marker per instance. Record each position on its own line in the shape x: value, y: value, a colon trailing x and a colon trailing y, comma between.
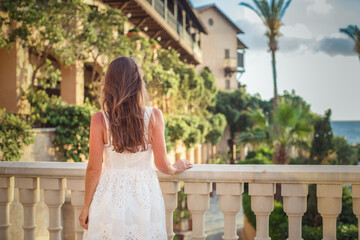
x: 14, y: 134
x: 346, y: 153
x: 219, y: 159
x: 72, y: 129
x: 217, y: 124
x: 262, y: 155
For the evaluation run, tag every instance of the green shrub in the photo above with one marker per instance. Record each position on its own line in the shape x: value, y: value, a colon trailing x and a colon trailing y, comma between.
x: 219, y: 159
x: 14, y: 134
x: 263, y: 155
x: 311, y: 233
x: 72, y: 124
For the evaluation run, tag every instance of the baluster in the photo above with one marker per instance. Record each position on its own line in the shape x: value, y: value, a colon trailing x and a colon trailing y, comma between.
x: 230, y: 204
x: 6, y: 197
x: 29, y: 196
x: 356, y: 204
x: 54, y: 197
x: 170, y: 192
x: 198, y: 201
x: 262, y: 204
x: 295, y: 202
x: 329, y: 206
x: 77, y: 187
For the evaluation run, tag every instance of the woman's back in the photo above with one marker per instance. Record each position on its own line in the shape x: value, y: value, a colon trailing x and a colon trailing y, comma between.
x: 123, y: 199
x: 127, y: 203
x: 141, y: 160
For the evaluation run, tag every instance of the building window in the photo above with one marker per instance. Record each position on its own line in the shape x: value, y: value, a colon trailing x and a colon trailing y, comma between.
x: 211, y: 21
x: 227, y: 53
x: 227, y: 84
x: 240, y: 59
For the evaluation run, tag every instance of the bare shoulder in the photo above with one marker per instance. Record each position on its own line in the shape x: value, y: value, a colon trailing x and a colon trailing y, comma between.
x: 97, y: 119
x: 158, y: 116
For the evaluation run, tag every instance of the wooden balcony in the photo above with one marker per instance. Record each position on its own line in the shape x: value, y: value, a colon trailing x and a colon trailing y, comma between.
x: 161, y: 24
x: 54, y: 178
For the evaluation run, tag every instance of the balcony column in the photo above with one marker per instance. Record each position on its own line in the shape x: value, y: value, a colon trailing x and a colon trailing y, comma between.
x: 262, y: 204
x: 295, y: 205
x: 77, y: 187
x: 170, y: 194
x: 166, y: 9
x: 198, y: 198
x: 329, y: 206
x: 6, y: 197
x: 230, y: 204
x: 356, y: 203
x: 72, y: 83
x: 176, y: 10
x: 29, y: 196
x: 184, y: 22
x: 54, y: 197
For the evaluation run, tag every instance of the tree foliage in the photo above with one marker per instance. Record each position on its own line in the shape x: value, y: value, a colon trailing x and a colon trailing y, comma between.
x: 288, y: 126
x: 322, y: 143
x: 353, y: 32
x: 44, y: 27
x: 14, y: 135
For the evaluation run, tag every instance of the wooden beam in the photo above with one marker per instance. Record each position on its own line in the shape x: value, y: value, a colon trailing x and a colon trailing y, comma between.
x: 124, y: 5
x: 141, y: 22
x: 157, y: 33
x: 167, y: 43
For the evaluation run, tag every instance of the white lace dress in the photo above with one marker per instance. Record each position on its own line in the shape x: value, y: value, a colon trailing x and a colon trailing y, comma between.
x: 127, y: 203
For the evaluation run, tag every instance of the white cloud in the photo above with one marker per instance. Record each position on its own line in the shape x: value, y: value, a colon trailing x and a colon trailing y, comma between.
x: 296, y: 31
x: 250, y: 15
x: 319, y: 7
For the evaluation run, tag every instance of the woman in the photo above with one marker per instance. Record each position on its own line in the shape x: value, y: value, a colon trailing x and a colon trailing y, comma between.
x: 123, y: 200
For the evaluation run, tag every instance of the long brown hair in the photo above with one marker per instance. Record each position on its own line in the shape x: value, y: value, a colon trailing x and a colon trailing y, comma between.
x: 124, y: 96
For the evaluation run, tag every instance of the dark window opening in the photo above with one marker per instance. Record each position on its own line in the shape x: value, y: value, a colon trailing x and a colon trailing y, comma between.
x: 227, y: 53
x: 227, y: 84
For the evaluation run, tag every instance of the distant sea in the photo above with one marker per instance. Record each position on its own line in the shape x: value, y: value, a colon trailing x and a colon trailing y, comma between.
x: 348, y: 129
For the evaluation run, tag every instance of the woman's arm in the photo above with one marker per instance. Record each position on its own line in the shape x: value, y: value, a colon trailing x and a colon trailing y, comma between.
x: 94, y: 167
x: 159, y: 147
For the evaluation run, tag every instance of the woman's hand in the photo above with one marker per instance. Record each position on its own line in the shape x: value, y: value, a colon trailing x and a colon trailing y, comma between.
x: 84, y: 217
x: 182, y: 164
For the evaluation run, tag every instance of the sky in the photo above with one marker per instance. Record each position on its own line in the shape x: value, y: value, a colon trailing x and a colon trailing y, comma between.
x: 314, y: 58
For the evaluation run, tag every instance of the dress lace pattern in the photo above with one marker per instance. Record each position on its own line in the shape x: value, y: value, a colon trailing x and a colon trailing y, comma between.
x: 127, y: 203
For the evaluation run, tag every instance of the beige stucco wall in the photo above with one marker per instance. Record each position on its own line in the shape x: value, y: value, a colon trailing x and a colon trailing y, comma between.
x: 14, y: 72
x: 220, y: 36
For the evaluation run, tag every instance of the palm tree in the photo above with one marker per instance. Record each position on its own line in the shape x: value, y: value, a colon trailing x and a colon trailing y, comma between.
x: 288, y: 127
x: 353, y: 32
x: 271, y: 14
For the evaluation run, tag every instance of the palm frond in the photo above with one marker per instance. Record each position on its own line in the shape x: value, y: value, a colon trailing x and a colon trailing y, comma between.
x: 283, y: 10
x: 252, y: 8
x: 352, y: 31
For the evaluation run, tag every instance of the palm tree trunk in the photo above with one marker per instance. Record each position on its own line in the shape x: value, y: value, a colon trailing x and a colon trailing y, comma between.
x: 274, y: 77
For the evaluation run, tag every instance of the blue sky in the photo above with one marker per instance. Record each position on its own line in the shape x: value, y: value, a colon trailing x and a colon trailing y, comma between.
x: 314, y: 59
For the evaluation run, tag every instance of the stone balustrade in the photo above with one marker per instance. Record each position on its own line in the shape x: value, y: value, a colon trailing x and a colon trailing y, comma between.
x: 54, y: 178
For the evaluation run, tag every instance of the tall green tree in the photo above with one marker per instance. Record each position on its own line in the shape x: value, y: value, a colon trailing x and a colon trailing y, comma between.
x: 271, y: 12
x: 353, y: 32
x: 322, y: 144
x: 288, y: 126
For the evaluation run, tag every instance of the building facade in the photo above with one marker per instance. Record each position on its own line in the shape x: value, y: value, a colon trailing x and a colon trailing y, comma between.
x: 173, y: 23
x: 223, y: 51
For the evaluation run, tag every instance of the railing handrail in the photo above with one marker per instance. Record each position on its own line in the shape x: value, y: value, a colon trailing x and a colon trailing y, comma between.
x: 330, y: 174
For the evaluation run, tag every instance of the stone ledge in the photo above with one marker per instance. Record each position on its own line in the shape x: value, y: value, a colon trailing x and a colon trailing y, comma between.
x: 338, y: 174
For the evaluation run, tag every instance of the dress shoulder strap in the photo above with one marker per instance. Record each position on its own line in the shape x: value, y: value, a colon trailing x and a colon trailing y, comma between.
x: 148, y: 111
x: 106, y: 120
x: 107, y: 128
